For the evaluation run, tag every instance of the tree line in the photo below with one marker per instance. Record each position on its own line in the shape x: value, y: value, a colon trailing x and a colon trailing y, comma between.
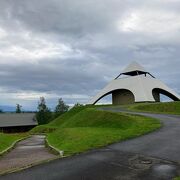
x: 44, y: 114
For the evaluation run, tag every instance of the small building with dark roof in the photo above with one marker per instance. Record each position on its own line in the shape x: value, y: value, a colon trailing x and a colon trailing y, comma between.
x: 17, y: 122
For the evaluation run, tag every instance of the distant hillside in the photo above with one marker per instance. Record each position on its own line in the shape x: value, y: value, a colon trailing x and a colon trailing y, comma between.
x: 7, y: 108
x: 12, y: 109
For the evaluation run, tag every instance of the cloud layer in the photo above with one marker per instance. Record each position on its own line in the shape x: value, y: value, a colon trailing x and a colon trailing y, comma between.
x: 71, y: 49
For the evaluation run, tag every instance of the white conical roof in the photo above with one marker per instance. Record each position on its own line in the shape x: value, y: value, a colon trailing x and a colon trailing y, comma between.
x: 134, y: 66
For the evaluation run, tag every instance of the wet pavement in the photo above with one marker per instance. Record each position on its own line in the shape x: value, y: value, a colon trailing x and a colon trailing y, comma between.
x: 102, y: 164
x: 27, y: 152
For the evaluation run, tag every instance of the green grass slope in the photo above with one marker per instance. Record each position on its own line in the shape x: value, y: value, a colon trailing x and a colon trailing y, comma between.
x: 85, y: 128
x: 177, y: 178
x: 165, y: 107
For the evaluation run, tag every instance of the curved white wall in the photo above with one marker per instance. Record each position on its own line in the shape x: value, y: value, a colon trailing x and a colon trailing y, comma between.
x: 140, y: 86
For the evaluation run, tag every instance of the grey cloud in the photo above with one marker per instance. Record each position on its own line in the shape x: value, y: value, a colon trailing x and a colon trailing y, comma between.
x: 44, y: 79
x: 88, y: 27
x: 58, y: 16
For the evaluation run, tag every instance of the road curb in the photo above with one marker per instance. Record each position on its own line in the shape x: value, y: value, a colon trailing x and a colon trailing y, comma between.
x: 13, y: 170
x: 10, y: 171
x: 53, y: 149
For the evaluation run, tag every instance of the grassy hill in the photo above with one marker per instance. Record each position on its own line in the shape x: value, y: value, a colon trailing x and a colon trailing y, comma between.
x: 166, y: 107
x: 84, y: 128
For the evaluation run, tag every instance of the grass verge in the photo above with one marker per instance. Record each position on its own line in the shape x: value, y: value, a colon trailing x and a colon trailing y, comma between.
x: 165, y: 107
x: 6, y: 140
x: 85, y: 128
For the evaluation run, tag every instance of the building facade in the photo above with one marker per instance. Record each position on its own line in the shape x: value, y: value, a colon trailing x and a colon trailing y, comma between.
x: 135, y: 84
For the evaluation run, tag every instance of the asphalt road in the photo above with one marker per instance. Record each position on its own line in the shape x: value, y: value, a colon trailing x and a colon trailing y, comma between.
x: 154, y: 156
x: 164, y: 143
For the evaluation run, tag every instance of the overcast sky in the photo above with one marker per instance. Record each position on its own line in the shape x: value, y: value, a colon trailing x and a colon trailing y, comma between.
x: 73, y: 48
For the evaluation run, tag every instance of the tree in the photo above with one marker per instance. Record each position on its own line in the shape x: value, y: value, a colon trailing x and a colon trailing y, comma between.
x: 78, y: 105
x: 18, y: 108
x: 44, y: 114
x: 60, y: 108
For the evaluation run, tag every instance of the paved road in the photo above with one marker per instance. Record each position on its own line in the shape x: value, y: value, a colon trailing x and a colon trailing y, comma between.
x: 29, y: 151
x: 164, y: 143
x: 151, y: 157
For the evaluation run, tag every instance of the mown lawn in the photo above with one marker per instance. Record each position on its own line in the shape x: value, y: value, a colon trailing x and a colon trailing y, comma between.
x: 6, y: 140
x: 165, y: 107
x: 177, y: 178
x: 85, y: 128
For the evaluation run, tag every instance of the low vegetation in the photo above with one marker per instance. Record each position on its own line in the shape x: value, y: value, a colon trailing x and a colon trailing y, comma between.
x: 166, y: 107
x: 177, y: 178
x: 85, y: 127
x: 6, y: 140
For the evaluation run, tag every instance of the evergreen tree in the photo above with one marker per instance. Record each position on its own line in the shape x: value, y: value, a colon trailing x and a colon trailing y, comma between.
x: 61, y: 108
x: 18, y: 108
x: 44, y: 114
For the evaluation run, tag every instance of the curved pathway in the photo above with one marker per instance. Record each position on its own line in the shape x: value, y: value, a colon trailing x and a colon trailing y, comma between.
x: 27, y: 152
x: 164, y: 143
x: 155, y: 156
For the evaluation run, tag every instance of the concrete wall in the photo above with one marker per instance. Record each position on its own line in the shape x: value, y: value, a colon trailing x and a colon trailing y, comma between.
x: 140, y: 86
x: 122, y: 97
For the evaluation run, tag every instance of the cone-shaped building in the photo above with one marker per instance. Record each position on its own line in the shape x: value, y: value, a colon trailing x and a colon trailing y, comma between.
x: 138, y: 85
